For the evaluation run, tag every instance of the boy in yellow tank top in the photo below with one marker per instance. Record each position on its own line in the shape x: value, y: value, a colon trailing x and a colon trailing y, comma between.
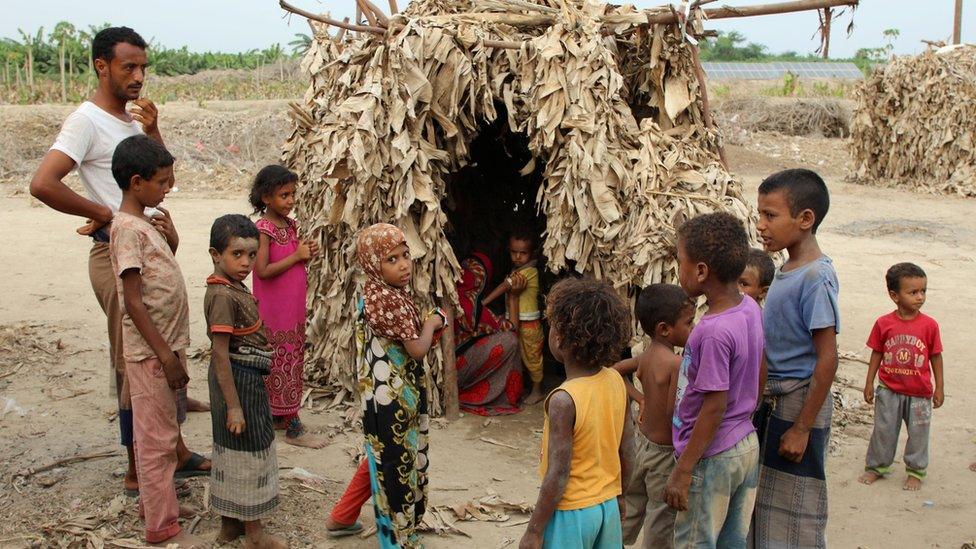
x: 588, y: 439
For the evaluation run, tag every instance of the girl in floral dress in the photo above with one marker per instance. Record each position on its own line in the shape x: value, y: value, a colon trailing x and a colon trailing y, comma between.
x: 280, y: 283
x: 392, y: 343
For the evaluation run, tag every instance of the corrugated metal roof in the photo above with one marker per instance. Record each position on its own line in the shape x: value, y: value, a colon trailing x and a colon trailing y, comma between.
x: 776, y: 70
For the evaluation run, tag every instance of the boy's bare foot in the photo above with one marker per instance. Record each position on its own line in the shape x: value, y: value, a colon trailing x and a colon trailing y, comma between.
x: 194, y: 405
x: 869, y: 477
x: 183, y: 540
x: 912, y: 484
x: 297, y: 435
x: 972, y: 466
x: 266, y: 541
x: 188, y: 511
x: 307, y: 440
x: 230, y: 529
x: 535, y: 396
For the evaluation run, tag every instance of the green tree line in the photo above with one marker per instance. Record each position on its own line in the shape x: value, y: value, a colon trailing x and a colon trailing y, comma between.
x: 64, y: 54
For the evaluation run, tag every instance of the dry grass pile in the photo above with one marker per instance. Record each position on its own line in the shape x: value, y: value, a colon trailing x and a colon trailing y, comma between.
x: 913, y: 124
x: 821, y: 117
x: 615, y: 125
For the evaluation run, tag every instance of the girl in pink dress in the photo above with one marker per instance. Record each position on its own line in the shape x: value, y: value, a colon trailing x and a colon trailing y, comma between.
x: 279, y: 286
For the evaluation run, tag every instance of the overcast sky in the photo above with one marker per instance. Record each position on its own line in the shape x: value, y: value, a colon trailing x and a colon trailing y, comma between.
x: 240, y: 25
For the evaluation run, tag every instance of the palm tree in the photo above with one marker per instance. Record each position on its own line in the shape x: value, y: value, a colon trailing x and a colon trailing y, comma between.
x: 301, y: 43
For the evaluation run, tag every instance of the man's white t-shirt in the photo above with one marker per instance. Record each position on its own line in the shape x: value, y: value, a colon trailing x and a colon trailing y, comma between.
x: 89, y: 136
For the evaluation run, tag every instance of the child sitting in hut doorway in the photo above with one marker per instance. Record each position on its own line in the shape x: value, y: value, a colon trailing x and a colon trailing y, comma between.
x: 522, y: 287
x: 244, y: 483
x: 280, y: 283
x: 392, y: 342
x: 758, y: 275
x: 906, y: 354
x: 155, y: 331
x: 587, y: 439
x: 666, y: 315
x: 713, y: 483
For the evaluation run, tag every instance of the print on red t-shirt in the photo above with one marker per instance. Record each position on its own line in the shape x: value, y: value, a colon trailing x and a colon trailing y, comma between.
x: 906, y: 347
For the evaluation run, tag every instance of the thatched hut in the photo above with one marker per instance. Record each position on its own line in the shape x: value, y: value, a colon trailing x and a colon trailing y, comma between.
x: 913, y: 123
x: 600, y: 111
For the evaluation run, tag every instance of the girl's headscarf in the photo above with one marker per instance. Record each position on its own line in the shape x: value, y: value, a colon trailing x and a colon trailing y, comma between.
x: 390, y: 311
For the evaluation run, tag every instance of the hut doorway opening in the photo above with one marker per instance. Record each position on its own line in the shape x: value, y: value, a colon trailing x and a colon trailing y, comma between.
x: 492, y: 197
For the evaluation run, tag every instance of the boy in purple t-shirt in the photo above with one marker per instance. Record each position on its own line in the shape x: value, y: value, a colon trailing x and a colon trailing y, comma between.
x: 718, y: 388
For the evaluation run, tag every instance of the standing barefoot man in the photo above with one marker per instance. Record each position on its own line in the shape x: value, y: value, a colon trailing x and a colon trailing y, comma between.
x: 86, y: 142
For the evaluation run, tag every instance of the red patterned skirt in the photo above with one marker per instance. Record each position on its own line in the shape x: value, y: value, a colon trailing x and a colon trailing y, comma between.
x: 490, y: 376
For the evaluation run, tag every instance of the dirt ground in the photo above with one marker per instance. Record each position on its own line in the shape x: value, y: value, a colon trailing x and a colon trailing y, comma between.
x: 54, y: 404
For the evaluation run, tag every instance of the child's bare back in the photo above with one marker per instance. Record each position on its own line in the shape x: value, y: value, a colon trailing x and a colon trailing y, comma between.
x: 657, y: 371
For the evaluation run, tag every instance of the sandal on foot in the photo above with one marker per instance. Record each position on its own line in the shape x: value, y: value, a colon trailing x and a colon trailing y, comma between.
x: 347, y: 531
x: 192, y: 467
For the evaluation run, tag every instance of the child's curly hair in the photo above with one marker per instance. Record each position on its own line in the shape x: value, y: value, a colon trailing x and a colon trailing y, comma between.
x: 267, y: 182
x: 592, y: 321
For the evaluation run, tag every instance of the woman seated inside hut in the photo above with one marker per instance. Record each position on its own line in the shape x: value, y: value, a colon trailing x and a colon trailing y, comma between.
x: 489, y: 366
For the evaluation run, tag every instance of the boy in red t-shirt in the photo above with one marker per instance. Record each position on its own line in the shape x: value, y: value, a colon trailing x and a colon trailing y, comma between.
x: 906, y: 353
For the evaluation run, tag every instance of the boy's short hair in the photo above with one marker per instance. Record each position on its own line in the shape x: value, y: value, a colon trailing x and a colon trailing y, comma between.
x: 899, y: 271
x: 230, y: 226
x: 592, y: 321
x: 103, y: 44
x: 718, y: 240
x: 525, y: 234
x: 805, y: 190
x: 660, y: 303
x: 763, y: 264
x: 138, y: 155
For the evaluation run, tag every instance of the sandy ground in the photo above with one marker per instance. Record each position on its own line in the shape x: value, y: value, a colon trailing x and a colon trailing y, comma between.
x: 53, y: 382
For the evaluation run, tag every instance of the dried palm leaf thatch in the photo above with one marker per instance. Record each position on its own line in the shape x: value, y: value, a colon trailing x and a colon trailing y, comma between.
x: 913, y: 123
x: 625, y: 156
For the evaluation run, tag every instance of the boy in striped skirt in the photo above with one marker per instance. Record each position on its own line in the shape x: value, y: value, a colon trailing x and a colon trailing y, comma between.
x: 244, y: 481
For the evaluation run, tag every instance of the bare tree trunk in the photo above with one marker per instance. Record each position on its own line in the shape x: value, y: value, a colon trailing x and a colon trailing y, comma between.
x: 957, y: 24
x: 29, y: 67
x: 828, y: 14
x: 64, y: 84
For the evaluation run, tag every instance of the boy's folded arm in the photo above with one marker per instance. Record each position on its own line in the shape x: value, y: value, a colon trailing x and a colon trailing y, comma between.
x: 136, y: 309
x: 562, y: 418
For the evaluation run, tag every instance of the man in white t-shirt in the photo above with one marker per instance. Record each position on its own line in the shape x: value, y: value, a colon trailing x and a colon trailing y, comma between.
x: 86, y: 142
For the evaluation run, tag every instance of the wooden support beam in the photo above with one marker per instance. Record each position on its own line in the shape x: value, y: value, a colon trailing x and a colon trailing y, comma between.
x: 393, y: 7
x: 652, y: 16
x: 452, y: 409
x: 727, y: 12
x: 381, y: 19
x: 957, y: 24
x: 344, y: 24
x: 329, y: 21
x: 367, y: 12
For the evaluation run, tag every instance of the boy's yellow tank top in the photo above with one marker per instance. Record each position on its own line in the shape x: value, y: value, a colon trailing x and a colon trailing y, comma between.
x: 601, y: 407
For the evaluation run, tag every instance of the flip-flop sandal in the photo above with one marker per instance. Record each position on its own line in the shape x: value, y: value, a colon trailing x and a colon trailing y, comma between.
x: 343, y: 532
x: 182, y: 490
x: 191, y: 467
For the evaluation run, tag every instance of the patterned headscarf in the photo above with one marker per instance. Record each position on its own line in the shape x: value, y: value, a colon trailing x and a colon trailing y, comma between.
x: 390, y: 311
